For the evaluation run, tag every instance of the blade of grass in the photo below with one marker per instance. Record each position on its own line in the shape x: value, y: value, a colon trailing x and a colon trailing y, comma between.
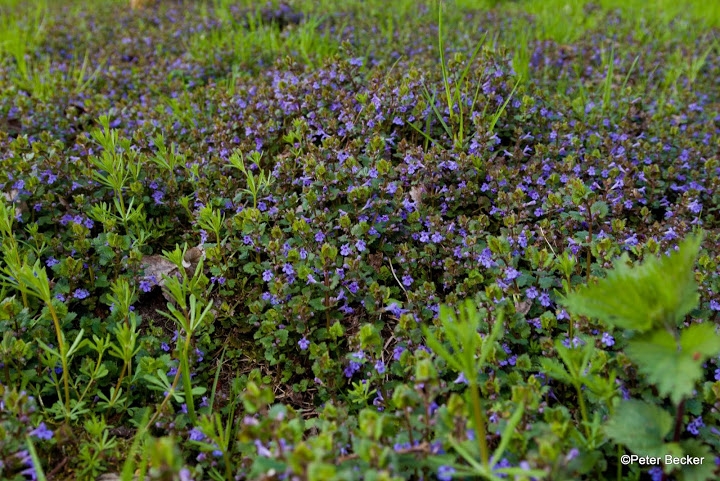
x: 497, y: 115
x: 37, y: 465
x: 217, y: 377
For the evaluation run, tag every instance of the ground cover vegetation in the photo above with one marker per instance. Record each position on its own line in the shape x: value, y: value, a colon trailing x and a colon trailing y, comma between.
x: 359, y: 240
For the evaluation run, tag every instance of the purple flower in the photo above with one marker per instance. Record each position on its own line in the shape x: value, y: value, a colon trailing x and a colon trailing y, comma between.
x: 397, y: 352
x: 42, y: 432
x: 607, y: 339
x: 572, y: 454
x: 380, y: 366
x: 544, y: 299
x: 695, y: 207
x: 352, y: 368
x: 345, y: 250
x: 353, y: 287
x: 360, y: 245
x: 461, y: 379
x: 407, y: 280
x: 656, y: 473
x: 288, y: 269
x: 694, y: 426
x: 145, y: 285
x: 262, y: 450
x: 81, y: 294
x: 319, y: 237
x: 511, y: 274
x: 378, y: 401
x: 51, y: 262
x: 632, y: 240
x: 531, y: 292
x: 303, y: 343
x: 485, y: 258
x: 444, y: 473
x: 714, y: 305
x: 267, y: 276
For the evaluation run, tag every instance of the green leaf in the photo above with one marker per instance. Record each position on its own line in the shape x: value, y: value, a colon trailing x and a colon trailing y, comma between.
x: 508, y: 434
x: 318, y: 303
x: 555, y: 370
x: 641, y: 427
x: 250, y: 268
x: 674, y: 372
x: 701, y: 340
x: 660, y: 291
x: 697, y: 472
x: 36, y: 464
x: 599, y: 209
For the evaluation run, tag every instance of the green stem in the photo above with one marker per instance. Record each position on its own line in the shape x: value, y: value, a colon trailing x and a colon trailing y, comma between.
x: 61, y: 346
x: 117, y: 385
x: 94, y: 376
x: 164, y: 401
x: 187, y: 383
x: 583, y: 409
x: 479, y: 424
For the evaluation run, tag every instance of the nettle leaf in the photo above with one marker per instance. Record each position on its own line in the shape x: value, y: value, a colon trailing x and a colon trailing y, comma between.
x: 697, y: 472
x: 641, y: 427
x: 673, y: 371
x: 658, y: 291
x: 701, y: 341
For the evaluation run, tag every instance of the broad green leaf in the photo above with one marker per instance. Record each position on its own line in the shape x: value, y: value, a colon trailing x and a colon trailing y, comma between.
x: 700, y: 340
x: 640, y: 426
x: 698, y: 472
x: 674, y: 372
x: 659, y: 291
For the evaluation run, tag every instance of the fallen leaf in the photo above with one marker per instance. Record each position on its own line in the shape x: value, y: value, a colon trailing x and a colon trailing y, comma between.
x: 416, y: 193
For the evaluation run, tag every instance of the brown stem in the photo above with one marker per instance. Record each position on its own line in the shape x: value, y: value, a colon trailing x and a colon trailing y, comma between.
x: 678, y: 428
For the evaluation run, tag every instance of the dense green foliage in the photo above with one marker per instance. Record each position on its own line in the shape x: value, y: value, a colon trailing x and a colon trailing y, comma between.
x: 359, y: 239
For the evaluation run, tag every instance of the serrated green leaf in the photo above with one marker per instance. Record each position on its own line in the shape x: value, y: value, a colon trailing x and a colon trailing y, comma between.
x: 599, y: 209
x: 697, y: 472
x: 641, y: 427
x: 250, y: 268
x: 659, y: 291
x: 554, y: 369
x: 318, y: 303
x: 674, y: 372
x: 701, y: 340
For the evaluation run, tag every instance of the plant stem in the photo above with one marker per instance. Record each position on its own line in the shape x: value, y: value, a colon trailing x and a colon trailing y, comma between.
x: 678, y: 421
x: 678, y: 427
x: 117, y: 386
x: 479, y: 423
x: 61, y: 346
x: 583, y: 409
x: 187, y: 383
